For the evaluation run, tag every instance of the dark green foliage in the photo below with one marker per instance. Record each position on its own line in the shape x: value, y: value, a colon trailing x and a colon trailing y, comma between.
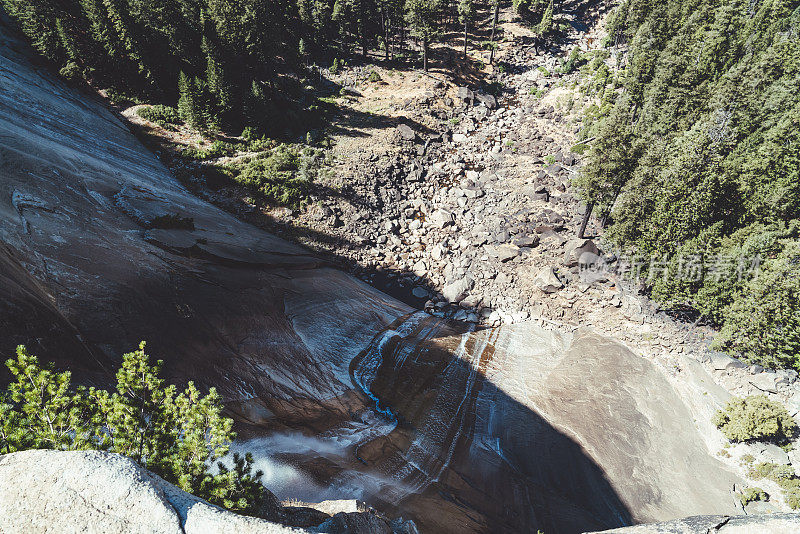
x: 546, y: 24
x: 283, y: 175
x: 216, y: 150
x: 224, y: 48
x: 71, y: 71
x: 159, y: 114
x: 574, y: 61
x: 39, y: 411
x: 763, y: 321
x: 755, y: 418
x: 698, y: 157
x: 423, y: 17
x: 242, y: 60
x: 749, y: 495
x: 178, y: 435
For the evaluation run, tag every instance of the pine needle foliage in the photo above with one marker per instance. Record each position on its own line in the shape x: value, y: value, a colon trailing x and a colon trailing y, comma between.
x: 755, y: 418
x: 697, y: 159
x: 179, y: 435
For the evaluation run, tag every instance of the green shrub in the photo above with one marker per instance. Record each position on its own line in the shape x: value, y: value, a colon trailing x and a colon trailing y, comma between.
x: 749, y: 495
x: 784, y: 476
x: 580, y: 149
x: 374, y: 77
x: 71, y: 71
x: 283, y: 174
x: 791, y: 492
x: 249, y: 134
x: 159, y: 114
x: 574, y: 61
x: 754, y: 417
x: 216, y: 150
x: 121, y: 98
x: 535, y: 91
x: 177, y: 435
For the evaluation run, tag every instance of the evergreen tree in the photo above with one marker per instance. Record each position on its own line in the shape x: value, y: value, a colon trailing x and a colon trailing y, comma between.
x: 38, y: 411
x: 179, y: 436
x: 187, y: 101
x: 546, y: 24
x: 37, y: 19
x: 423, y: 18
x: 699, y: 157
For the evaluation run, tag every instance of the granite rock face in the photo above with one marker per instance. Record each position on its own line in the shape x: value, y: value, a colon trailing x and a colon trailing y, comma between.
x: 704, y: 524
x: 91, y: 491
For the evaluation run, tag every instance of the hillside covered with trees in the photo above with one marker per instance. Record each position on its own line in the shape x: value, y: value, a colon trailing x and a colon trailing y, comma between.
x: 696, y: 163
x: 228, y: 63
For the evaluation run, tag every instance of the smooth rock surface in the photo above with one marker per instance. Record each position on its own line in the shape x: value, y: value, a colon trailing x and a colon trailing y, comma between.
x: 91, y: 491
x: 742, y: 524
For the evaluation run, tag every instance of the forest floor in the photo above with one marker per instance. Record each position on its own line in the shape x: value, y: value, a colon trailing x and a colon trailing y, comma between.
x: 451, y: 190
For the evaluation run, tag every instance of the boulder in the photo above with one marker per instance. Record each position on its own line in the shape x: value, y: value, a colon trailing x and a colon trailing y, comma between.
x: 487, y: 100
x: 93, y: 491
x: 420, y: 292
x: 575, y: 250
x: 765, y: 382
x: 406, y: 132
x: 547, y: 281
x: 465, y: 94
x: 441, y: 218
x: 770, y: 453
x: 526, y: 241
x: 457, y: 290
x: 507, y: 252
x: 722, y: 362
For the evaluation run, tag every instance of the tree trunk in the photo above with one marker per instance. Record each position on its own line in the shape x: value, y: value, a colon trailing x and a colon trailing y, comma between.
x: 465, y: 39
x: 385, y: 35
x: 494, y: 25
x: 589, y: 208
x: 425, y: 54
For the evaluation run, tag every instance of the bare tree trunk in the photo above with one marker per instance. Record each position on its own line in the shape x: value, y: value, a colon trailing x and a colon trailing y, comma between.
x: 586, y: 215
x: 425, y: 53
x: 494, y: 25
x: 465, y: 39
x: 385, y: 34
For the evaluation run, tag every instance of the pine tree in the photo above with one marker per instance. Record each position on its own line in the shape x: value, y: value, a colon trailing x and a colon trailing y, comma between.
x: 546, y: 24
x: 39, y: 410
x: 37, y: 19
x: 219, y: 92
x: 187, y: 104
x: 423, y: 18
x: 179, y: 436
